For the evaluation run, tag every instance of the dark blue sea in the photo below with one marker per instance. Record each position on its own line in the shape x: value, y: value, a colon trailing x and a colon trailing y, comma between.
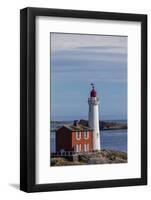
x: 110, y: 139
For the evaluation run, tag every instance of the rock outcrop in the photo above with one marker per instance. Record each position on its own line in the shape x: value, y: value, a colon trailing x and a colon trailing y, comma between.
x: 105, y: 125
x: 98, y: 157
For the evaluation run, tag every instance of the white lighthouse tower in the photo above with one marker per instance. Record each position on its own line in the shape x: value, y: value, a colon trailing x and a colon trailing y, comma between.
x: 93, y: 102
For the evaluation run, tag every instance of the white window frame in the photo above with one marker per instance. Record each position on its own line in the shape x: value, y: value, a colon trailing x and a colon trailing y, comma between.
x: 78, y: 133
x: 86, y: 147
x: 78, y: 147
x: 86, y: 135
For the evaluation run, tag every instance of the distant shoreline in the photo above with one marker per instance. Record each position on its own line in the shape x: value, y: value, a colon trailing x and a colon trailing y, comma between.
x: 104, y: 125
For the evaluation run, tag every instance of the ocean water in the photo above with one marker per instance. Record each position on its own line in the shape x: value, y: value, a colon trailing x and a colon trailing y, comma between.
x: 114, y: 139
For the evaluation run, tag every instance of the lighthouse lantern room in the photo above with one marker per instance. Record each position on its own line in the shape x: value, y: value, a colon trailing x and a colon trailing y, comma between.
x: 93, y: 120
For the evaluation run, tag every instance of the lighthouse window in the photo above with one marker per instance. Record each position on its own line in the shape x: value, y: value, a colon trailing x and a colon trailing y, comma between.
x: 86, y: 135
x: 78, y: 135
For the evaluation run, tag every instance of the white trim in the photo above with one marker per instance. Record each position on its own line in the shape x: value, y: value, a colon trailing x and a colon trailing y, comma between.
x: 78, y: 147
x: 86, y: 135
x: 86, y: 147
x: 78, y: 135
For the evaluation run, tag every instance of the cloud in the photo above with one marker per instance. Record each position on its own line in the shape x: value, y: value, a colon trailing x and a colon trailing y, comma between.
x: 102, y: 57
x: 61, y: 41
x: 107, y: 67
x: 76, y: 61
x: 75, y: 56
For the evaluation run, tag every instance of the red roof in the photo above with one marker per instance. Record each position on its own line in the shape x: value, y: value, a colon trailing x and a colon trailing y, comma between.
x: 80, y: 127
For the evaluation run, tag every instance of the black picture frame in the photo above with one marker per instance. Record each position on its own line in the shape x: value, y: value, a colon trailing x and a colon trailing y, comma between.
x: 28, y: 99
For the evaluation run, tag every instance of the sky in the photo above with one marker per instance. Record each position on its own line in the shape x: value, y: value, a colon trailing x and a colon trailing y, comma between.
x: 76, y: 61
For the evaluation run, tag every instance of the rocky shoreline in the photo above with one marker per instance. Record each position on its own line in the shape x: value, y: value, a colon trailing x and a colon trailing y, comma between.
x: 99, y: 157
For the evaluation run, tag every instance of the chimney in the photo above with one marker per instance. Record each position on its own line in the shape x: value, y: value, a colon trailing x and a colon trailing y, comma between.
x: 75, y: 123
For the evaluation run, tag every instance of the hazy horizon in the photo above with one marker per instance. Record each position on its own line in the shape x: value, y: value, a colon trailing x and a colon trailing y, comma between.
x: 70, y: 118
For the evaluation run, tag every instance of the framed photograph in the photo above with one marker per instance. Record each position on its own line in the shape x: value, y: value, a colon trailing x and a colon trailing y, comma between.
x: 83, y: 99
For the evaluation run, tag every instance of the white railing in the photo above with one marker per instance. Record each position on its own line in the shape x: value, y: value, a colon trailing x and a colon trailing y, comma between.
x: 94, y: 100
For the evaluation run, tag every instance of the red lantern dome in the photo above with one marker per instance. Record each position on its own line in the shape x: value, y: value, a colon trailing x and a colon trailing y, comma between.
x: 93, y: 92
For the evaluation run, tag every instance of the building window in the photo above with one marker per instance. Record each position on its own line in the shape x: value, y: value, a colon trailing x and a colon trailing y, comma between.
x: 86, y: 147
x: 86, y: 135
x: 78, y: 135
x: 78, y: 147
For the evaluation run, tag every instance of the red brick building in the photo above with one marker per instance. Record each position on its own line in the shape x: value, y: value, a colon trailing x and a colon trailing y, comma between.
x: 75, y: 137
